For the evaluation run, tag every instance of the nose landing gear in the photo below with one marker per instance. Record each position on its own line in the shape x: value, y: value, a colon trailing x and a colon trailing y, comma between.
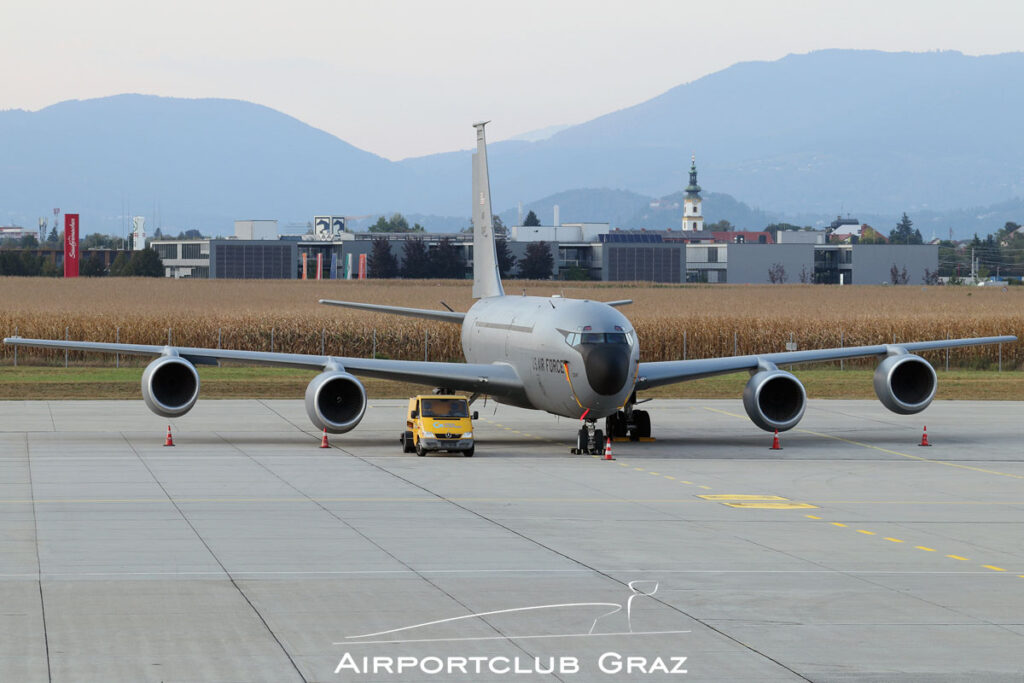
x: 589, y: 440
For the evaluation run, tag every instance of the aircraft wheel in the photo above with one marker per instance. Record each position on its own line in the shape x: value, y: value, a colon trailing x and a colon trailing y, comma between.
x: 581, y: 441
x: 643, y: 423
x: 615, y: 425
x: 611, y: 424
x: 598, y: 442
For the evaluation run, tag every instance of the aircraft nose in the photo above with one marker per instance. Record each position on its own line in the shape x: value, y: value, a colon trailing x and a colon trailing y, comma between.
x: 607, y: 369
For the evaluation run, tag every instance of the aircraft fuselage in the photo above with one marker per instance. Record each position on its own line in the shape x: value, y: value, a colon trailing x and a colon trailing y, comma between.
x: 573, y: 355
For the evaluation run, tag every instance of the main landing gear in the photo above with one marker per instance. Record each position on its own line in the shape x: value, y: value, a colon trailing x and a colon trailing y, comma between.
x: 635, y: 424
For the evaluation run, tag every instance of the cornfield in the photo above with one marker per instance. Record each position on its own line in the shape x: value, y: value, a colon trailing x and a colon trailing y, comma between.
x: 672, y: 321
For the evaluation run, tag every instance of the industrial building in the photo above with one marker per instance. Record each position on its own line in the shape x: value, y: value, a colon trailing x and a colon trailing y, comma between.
x: 592, y: 251
x: 608, y: 255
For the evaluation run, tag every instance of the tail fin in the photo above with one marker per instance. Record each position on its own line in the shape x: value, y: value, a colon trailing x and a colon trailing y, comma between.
x: 486, y: 277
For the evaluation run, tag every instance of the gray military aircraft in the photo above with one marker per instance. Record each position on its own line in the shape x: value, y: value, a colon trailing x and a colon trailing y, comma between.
x: 570, y: 357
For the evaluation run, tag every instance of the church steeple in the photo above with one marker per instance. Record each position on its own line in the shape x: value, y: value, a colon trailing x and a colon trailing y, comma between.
x: 693, y: 189
x: 692, y: 217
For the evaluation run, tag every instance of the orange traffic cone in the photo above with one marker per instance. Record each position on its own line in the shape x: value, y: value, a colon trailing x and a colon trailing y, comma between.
x: 323, y: 441
x: 608, y: 449
x: 169, y: 441
x: 924, y: 437
x: 775, y: 442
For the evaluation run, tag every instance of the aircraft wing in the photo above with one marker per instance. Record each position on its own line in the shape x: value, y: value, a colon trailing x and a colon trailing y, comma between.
x: 659, y: 373
x: 495, y: 379
x: 619, y: 302
x: 429, y: 314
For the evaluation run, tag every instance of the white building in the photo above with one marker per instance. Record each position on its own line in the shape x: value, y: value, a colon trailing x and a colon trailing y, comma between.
x: 256, y: 230
x: 569, y: 232
x: 14, y: 232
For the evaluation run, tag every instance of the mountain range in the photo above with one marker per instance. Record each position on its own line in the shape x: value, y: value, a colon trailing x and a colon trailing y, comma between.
x: 800, y: 139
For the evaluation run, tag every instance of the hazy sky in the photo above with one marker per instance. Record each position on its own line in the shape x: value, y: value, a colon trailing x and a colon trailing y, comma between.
x: 401, y: 78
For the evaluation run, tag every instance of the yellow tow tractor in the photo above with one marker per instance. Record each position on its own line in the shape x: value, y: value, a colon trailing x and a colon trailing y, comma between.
x: 438, y: 423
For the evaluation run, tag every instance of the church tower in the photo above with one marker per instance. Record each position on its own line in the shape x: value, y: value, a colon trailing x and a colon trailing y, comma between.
x: 693, y: 219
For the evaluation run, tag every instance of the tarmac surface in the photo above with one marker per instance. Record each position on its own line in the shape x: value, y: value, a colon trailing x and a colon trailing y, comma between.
x: 246, y: 553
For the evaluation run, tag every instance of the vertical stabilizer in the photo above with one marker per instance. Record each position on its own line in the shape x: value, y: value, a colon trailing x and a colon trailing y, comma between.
x: 486, y: 278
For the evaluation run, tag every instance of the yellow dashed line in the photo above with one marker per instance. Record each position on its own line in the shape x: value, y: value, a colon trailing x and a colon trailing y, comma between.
x: 771, y: 505
x: 740, y: 496
x: 836, y: 524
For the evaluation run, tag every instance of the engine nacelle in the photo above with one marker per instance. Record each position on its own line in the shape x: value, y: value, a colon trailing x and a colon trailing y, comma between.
x: 170, y: 386
x: 774, y: 399
x: 905, y: 383
x: 335, y: 401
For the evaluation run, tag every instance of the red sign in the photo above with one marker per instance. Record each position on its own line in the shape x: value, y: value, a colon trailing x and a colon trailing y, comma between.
x: 71, y: 250
x: 362, y: 266
x: 304, y: 266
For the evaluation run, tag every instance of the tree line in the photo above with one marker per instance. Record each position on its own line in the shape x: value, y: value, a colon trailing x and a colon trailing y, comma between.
x: 1000, y: 253
x: 23, y: 262
x: 444, y: 260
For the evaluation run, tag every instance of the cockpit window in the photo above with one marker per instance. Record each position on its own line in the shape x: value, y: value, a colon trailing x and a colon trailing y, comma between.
x: 576, y: 338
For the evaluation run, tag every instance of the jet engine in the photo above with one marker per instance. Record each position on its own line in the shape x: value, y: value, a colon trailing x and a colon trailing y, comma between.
x: 905, y: 383
x: 774, y: 399
x: 335, y: 401
x: 170, y: 386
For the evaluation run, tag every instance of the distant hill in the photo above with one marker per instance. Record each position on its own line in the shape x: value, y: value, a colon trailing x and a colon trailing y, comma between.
x: 861, y: 132
x: 196, y: 163
x: 583, y: 206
